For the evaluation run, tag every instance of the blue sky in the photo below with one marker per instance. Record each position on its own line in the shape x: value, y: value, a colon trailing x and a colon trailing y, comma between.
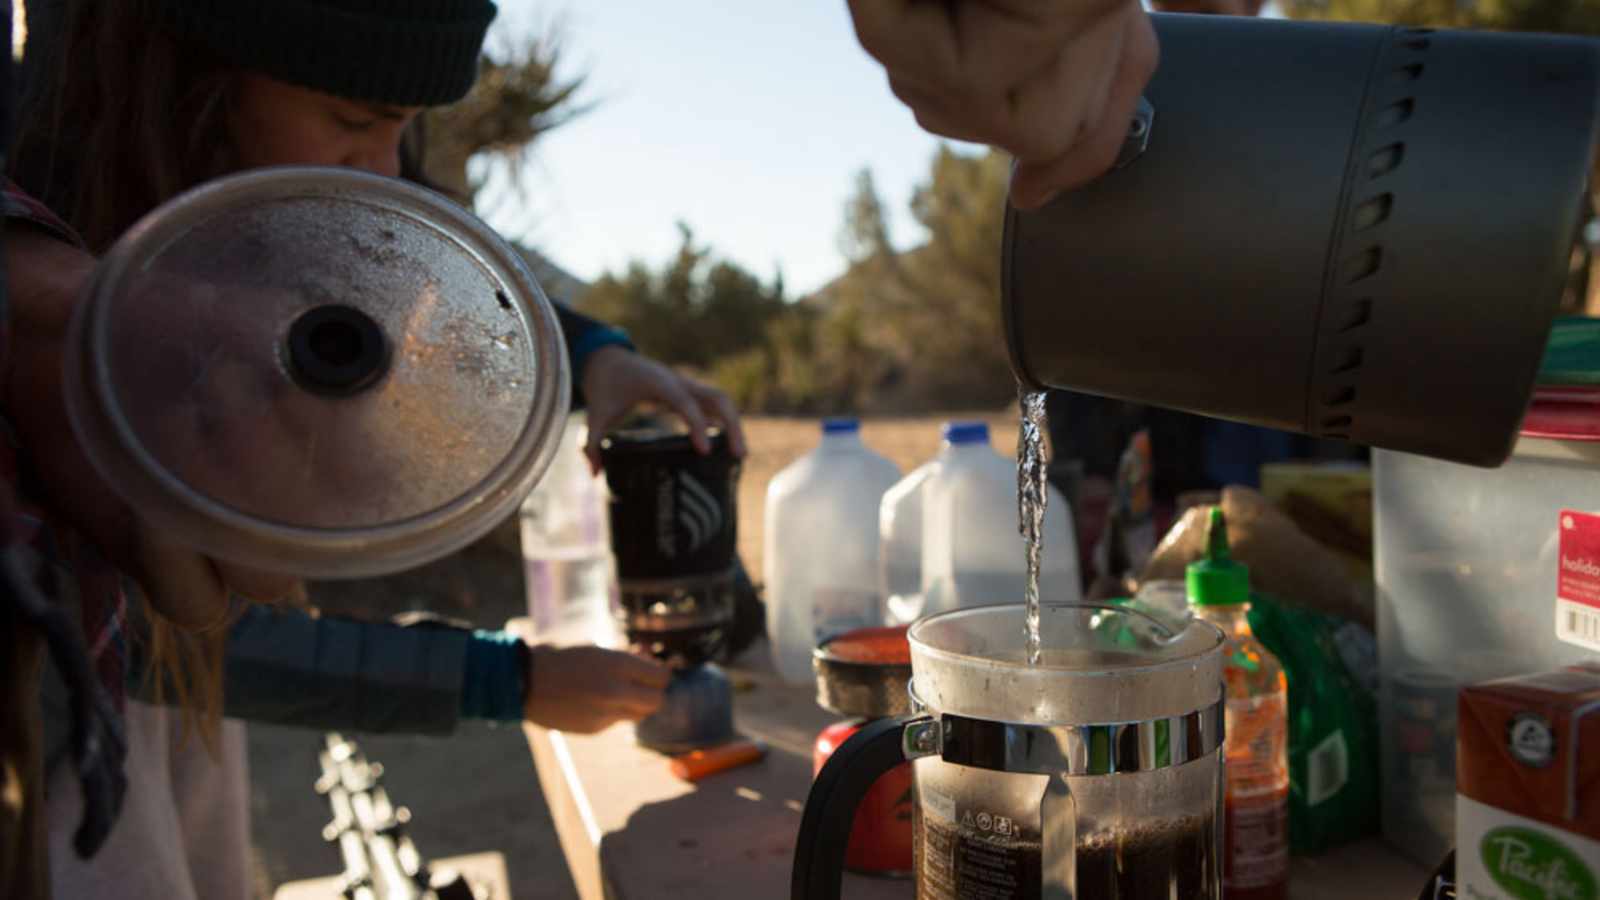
x: 746, y: 120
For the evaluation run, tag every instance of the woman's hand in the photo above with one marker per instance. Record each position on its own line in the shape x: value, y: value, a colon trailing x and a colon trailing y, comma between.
x: 582, y: 690
x: 616, y: 379
x: 45, y: 280
x: 1053, y: 83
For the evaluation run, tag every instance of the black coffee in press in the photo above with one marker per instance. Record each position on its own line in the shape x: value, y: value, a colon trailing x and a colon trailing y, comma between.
x: 1149, y: 862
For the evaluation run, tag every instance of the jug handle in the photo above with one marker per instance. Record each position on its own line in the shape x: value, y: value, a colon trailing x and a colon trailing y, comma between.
x: 831, y: 806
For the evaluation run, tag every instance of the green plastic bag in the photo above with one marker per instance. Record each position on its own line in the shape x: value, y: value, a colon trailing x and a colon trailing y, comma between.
x: 1333, y: 728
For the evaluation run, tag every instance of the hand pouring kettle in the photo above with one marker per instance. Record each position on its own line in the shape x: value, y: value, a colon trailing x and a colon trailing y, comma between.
x: 1094, y: 774
x: 317, y: 371
x: 1351, y: 231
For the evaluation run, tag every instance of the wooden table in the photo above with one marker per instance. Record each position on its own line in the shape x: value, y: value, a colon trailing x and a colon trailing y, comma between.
x: 631, y: 831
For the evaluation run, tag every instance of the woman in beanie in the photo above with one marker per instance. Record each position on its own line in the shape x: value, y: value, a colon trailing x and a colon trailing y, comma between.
x: 141, y: 100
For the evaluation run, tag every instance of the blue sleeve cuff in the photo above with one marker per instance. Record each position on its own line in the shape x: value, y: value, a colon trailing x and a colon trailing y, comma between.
x: 583, y: 337
x: 494, y: 678
x: 586, y: 344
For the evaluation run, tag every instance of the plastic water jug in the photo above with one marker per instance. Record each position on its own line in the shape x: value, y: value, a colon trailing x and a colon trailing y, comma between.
x: 971, y: 548
x: 566, y: 545
x: 900, y: 545
x: 821, y: 546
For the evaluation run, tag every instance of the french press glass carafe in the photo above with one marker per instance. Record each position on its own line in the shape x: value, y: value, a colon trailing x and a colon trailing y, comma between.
x: 1094, y: 774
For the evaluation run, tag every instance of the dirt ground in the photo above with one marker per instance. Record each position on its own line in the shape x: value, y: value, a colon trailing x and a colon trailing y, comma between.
x: 476, y: 790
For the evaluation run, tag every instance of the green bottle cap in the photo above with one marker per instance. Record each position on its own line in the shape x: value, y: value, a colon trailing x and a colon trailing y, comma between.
x: 1218, y: 580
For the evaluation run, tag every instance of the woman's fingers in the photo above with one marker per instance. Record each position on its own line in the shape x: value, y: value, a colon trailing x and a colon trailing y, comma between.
x: 1035, y: 183
x: 1053, y: 83
x: 600, y: 423
x: 586, y: 689
x: 616, y: 380
x: 678, y: 397
x: 720, y: 407
x: 1062, y: 105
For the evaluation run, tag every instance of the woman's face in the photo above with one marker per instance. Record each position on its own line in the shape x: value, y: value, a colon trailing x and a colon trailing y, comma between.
x: 274, y: 123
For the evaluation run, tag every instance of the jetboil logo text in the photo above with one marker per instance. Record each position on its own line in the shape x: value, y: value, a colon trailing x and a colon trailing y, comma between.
x: 683, y: 502
x: 1529, y: 865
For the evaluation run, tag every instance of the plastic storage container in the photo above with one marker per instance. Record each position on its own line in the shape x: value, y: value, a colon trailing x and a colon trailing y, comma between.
x: 1466, y: 562
x: 821, y: 546
x: 971, y: 546
x: 571, y: 575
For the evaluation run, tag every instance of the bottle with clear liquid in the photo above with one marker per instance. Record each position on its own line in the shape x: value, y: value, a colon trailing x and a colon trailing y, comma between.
x: 820, y: 546
x: 972, y: 553
x: 1255, y: 864
x: 570, y: 574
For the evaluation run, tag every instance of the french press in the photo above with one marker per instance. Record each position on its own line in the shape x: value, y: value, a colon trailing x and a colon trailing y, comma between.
x: 1095, y: 773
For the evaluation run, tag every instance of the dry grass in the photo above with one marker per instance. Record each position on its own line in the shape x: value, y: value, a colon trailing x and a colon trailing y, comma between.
x: 776, y: 442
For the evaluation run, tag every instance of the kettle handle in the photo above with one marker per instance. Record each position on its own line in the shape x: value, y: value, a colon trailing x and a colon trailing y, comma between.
x: 849, y: 773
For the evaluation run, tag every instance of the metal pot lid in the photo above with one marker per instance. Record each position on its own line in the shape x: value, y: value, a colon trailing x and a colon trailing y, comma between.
x: 318, y: 371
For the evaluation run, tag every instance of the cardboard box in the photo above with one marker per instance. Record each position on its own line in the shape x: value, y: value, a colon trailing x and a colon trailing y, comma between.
x: 1528, y: 788
x: 1333, y: 502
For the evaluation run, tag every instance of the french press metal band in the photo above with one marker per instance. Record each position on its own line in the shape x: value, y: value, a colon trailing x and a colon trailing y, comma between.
x: 1059, y: 751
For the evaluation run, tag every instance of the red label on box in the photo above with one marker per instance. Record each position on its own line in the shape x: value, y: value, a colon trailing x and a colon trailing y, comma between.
x: 1578, y: 572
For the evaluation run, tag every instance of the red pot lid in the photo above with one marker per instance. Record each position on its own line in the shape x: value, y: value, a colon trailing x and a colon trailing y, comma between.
x: 1567, y: 413
x: 879, y: 646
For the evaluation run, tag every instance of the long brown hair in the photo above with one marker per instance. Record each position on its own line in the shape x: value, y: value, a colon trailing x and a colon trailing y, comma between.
x: 124, y: 115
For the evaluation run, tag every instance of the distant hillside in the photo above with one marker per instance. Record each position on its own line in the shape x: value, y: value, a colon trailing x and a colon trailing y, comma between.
x: 558, y: 284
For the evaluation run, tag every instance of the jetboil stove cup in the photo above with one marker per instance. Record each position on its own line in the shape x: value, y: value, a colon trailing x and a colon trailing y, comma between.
x: 1355, y: 232
x: 674, y: 531
x: 317, y: 371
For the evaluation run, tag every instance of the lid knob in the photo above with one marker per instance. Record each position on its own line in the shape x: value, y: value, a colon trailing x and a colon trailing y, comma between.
x: 336, y: 349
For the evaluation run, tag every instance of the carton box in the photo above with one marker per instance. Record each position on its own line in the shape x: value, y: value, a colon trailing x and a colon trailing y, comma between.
x: 1331, y: 502
x: 1528, y: 788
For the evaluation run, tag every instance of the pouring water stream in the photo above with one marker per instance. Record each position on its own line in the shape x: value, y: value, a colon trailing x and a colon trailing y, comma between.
x: 1032, y: 497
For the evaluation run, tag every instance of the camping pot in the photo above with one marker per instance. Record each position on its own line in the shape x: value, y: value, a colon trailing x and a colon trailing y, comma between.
x: 1356, y: 232
x: 317, y: 371
x: 1096, y: 773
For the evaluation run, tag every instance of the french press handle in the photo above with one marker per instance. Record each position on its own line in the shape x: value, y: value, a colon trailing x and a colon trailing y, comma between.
x: 831, y: 806
x: 874, y: 750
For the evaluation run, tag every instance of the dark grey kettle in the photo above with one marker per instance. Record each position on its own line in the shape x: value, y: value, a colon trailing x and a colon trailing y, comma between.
x: 1357, y: 232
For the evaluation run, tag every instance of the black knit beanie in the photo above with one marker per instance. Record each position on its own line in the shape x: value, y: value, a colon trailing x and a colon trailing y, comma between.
x: 395, y: 52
